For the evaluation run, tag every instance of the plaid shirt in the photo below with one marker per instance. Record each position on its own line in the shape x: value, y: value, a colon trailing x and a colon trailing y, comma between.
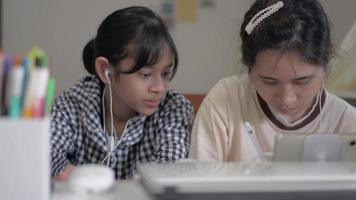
x: 78, y: 137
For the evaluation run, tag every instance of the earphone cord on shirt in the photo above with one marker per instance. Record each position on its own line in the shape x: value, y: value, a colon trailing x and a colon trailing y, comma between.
x: 321, y: 112
x: 113, y: 135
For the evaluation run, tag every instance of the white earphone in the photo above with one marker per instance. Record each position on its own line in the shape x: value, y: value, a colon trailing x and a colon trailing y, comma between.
x: 319, y: 98
x: 112, y: 137
x: 106, y: 72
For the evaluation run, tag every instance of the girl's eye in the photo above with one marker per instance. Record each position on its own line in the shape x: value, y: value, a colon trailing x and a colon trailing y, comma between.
x: 145, y: 75
x: 270, y: 82
x: 167, y: 75
x: 302, y: 81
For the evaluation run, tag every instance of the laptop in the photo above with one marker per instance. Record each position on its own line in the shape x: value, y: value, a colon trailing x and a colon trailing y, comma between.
x: 24, y: 154
x: 252, y: 181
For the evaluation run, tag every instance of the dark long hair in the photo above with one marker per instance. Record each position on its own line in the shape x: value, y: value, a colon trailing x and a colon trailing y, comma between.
x: 300, y: 26
x: 134, y: 31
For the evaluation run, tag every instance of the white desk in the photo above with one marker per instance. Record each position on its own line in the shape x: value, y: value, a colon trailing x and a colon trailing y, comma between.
x: 124, y: 189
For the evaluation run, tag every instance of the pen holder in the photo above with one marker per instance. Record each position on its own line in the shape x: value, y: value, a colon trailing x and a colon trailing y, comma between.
x: 25, y: 160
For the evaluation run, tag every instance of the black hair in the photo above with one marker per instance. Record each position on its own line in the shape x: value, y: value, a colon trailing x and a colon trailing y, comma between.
x: 134, y: 31
x: 300, y: 26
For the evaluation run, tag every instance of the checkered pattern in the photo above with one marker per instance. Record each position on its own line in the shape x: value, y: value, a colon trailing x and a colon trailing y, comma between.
x: 78, y: 137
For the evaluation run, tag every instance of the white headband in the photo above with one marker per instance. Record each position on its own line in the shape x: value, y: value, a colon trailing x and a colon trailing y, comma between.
x: 262, y: 15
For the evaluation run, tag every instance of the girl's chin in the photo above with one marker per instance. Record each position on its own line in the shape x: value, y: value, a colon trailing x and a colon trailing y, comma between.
x: 147, y: 111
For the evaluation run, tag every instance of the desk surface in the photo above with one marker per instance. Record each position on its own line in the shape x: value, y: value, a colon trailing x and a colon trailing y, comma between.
x: 124, y: 189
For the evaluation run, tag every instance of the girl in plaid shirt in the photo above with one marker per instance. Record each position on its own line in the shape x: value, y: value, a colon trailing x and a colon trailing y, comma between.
x: 124, y: 112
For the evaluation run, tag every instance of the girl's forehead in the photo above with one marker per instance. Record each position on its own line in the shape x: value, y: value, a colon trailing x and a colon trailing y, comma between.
x: 164, y: 59
x: 274, y: 62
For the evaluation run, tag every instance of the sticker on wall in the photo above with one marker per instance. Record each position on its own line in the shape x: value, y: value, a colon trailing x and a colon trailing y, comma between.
x: 187, y: 10
x: 208, y: 4
x: 167, y: 13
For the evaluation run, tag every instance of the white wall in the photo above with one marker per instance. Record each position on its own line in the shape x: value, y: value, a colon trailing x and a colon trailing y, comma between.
x: 209, y: 48
x: 342, y: 16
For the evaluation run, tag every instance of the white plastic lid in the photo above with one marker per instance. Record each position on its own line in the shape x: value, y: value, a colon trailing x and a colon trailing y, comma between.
x: 92, y: 178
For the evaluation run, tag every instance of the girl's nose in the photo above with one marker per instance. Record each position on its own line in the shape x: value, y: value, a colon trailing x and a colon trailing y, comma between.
x: 287, y: 97
x: 158, y: 85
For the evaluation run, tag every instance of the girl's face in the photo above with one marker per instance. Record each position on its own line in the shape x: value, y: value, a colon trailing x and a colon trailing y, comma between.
x: 143, y: 90
x: 286, y: 83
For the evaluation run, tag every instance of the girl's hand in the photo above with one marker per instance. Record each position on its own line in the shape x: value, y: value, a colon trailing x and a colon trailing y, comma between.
x: 65, y: 174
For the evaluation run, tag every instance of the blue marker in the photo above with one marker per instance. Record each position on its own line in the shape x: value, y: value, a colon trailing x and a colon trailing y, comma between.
x: 16, y: 84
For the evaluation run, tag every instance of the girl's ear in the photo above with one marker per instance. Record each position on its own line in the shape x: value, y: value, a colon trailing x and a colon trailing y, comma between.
x: 102, y: 68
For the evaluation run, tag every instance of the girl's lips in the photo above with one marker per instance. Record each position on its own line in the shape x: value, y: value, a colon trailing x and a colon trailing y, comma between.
x: 152, y: 103
x: 285, y: 110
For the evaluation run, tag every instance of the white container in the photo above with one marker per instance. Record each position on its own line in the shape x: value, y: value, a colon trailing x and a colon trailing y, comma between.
x: 25, y: 159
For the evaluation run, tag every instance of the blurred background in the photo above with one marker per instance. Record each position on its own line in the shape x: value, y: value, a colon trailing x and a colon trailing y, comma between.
x: 206, y: 33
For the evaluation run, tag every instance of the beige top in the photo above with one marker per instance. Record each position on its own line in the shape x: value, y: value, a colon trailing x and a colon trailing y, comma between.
x: 219, y: 133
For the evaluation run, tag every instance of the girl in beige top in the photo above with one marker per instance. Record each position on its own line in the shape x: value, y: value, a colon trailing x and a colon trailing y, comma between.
x: 286, y: 52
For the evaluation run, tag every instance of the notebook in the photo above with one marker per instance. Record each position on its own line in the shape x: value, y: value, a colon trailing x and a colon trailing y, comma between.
x: 259, y: 180
x: 24, y: 154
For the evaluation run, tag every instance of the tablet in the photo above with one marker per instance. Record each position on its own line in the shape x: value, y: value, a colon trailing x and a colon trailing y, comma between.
x: 315, y: 147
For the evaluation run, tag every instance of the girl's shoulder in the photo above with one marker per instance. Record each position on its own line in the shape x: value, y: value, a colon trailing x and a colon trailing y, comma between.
x: 82, y: 95
x: 230, y: 88
x: 340, y: 113
x: 335, y: 104
x: 86, y: 89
